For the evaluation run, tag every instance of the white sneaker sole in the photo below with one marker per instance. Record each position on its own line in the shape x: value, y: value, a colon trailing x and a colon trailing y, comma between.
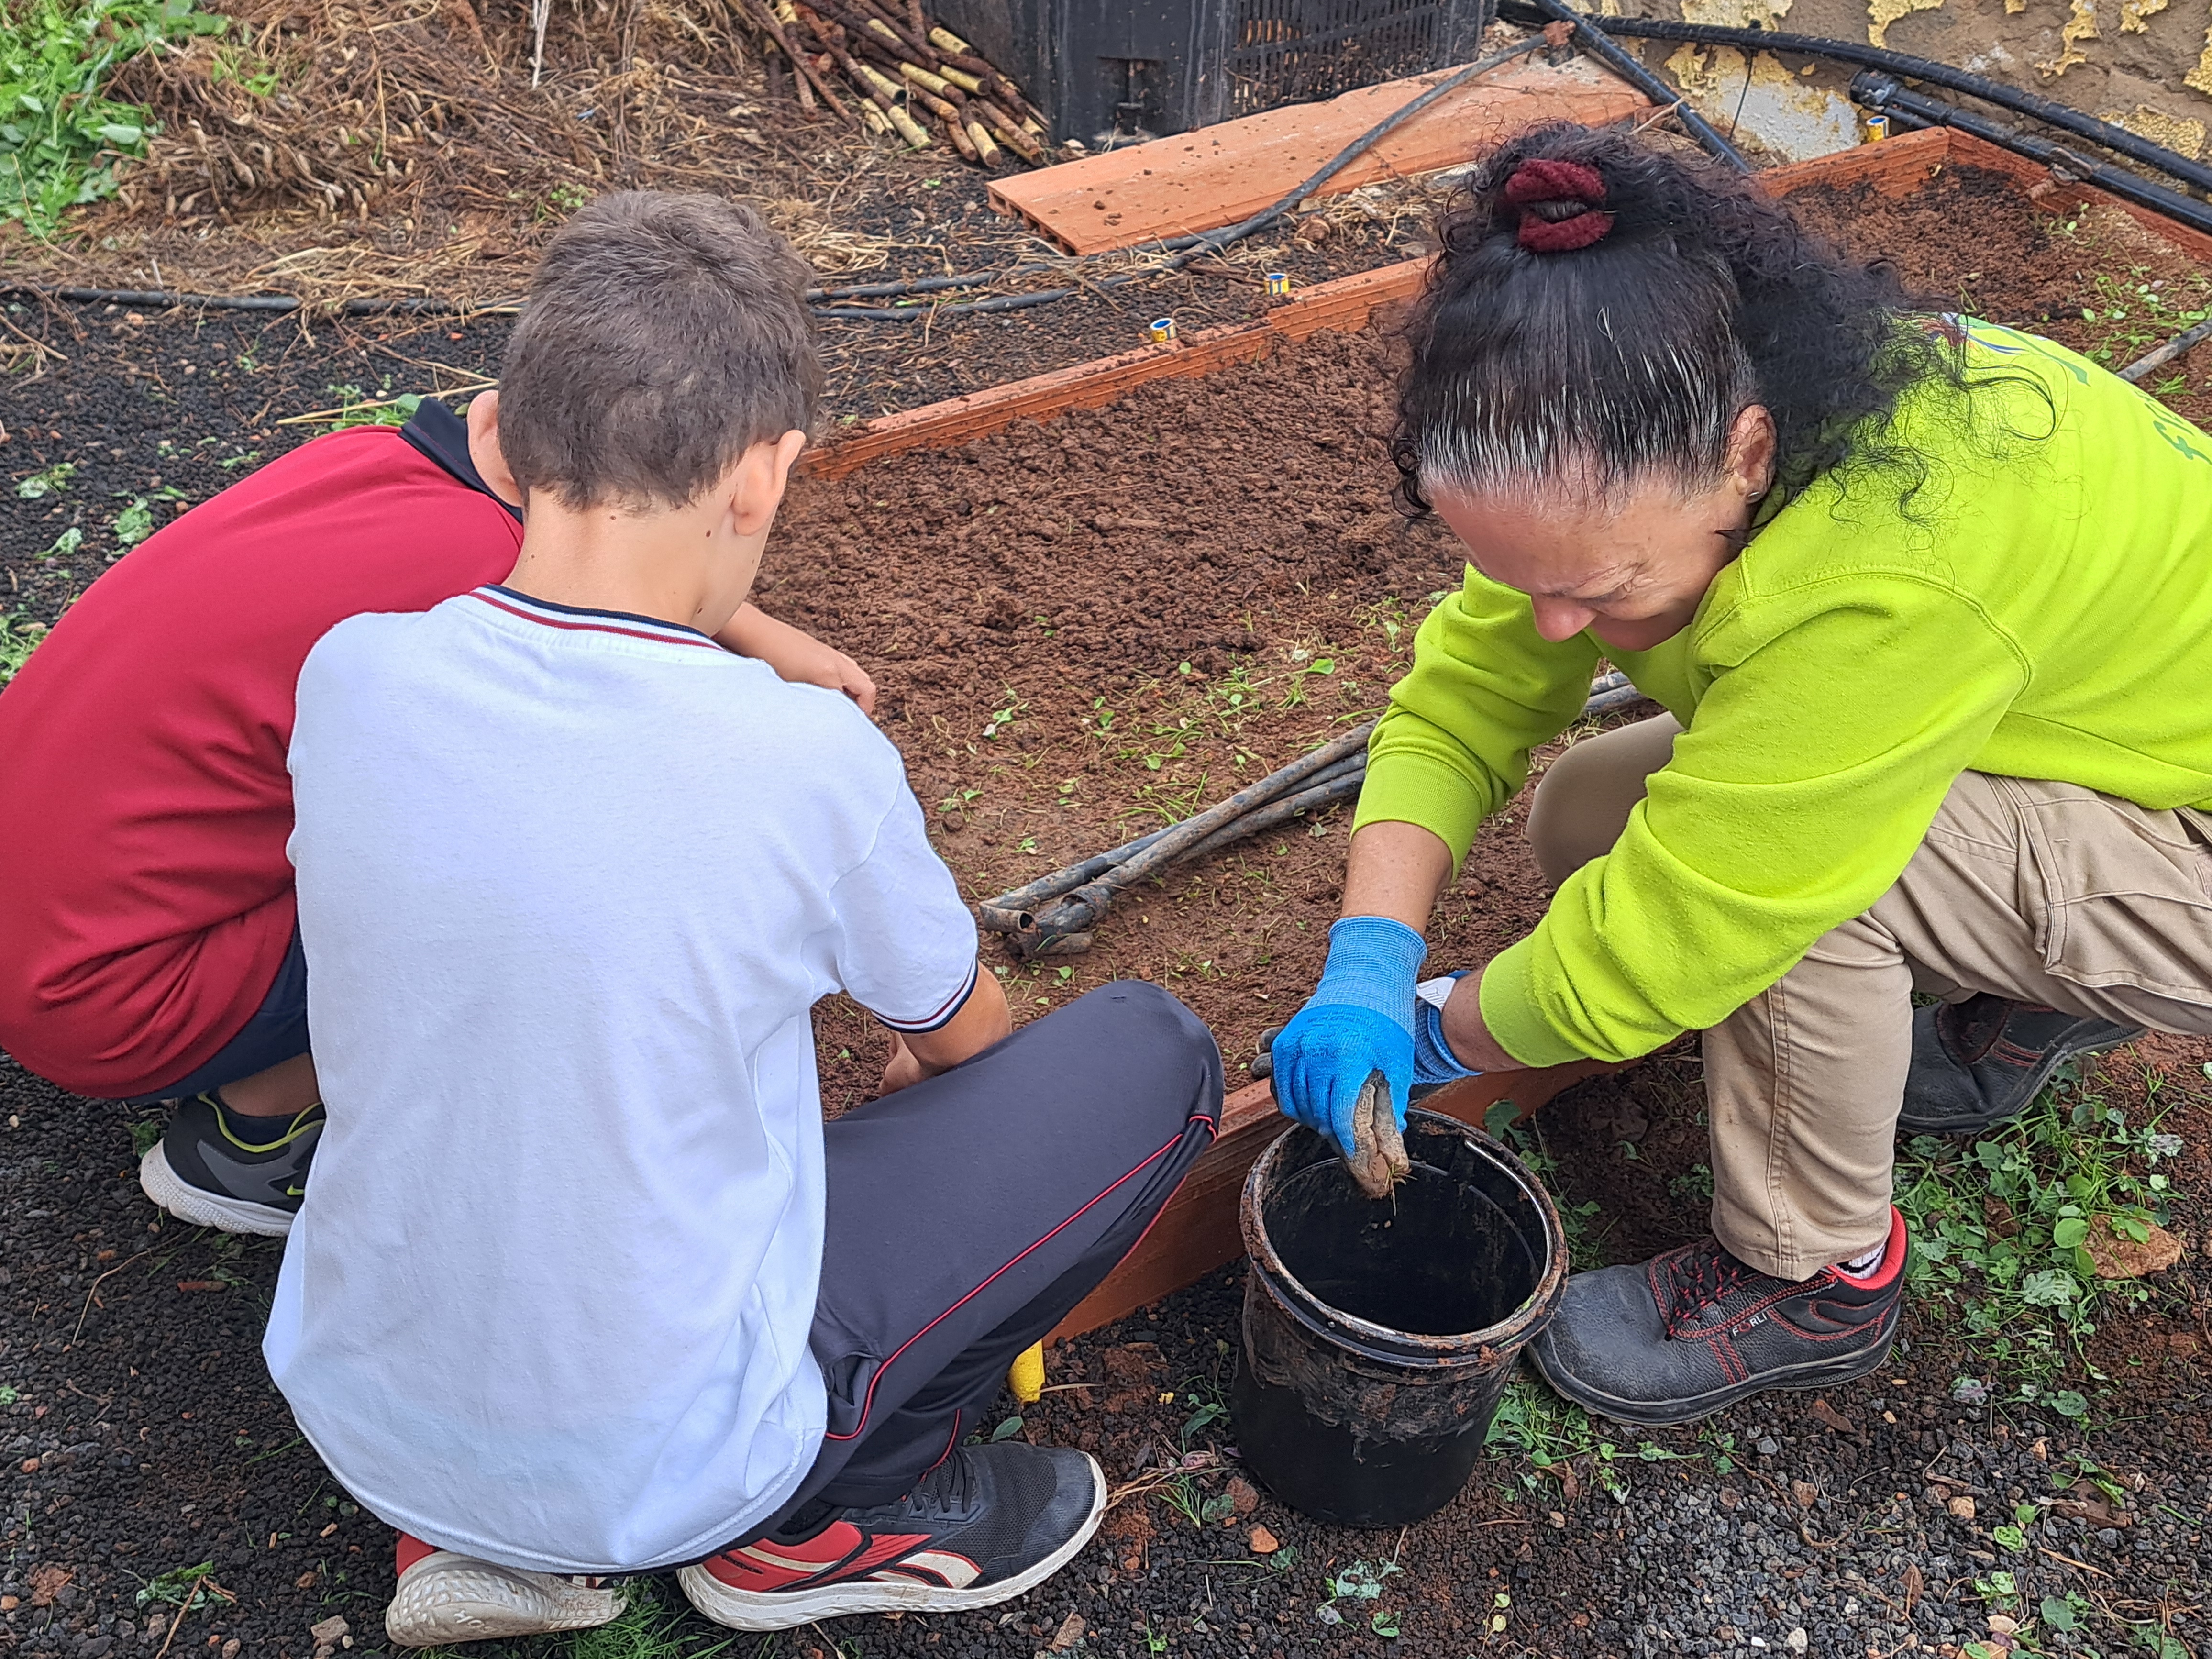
x: 787, y: 1609
x: 204, y: 1209
x: 446, y: 1597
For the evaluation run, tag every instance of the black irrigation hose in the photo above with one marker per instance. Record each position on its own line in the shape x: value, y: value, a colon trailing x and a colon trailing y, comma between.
x: 155, y: 299
x: 1314, y: 781
x: 1191, y: 247
x: 1588, y: 34
x: 2180, y: 345
x: 1878, y: 92
x: 2119, y: 140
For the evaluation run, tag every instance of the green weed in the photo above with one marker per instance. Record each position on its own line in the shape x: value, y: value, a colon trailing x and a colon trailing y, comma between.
x: 2129, y: 318
x: 2000, y: 1228
x: 19, y: 637
x: 61, y: 137
x: 356, y: 408
x: 251, y: 73
x: 134, y: 523
x: 1359, y: 1582
x: 39, y: 485
x: 174, y: 1587
x: 8, y: 1394
x: 651, y: 1625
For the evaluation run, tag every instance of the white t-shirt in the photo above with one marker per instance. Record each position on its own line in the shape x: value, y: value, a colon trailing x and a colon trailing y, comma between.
x: 569, y: 882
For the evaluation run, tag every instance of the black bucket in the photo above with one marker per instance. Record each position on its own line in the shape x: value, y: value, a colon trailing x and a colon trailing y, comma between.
x: 1379, y: 1333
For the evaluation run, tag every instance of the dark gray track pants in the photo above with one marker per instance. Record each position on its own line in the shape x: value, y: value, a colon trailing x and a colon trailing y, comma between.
x: 969, y: 1214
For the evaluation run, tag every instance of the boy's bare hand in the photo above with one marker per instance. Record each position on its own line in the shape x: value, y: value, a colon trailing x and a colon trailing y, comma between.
x: 902, y: 1068
x: 983, y: 1019
x: 797, y: 656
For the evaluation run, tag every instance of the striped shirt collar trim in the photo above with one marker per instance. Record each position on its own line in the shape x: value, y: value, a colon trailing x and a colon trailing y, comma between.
x: 578, y: 619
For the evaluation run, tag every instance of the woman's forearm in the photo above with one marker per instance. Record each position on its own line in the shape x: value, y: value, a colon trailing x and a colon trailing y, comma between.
x: 1396, y: 870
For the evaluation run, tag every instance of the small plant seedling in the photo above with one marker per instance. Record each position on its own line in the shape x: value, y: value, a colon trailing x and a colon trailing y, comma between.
x: 174, y: 1587
x: 356, y: 408
x: 8, y: 1394
x: 1003, y: 718
x: 1006, y: 1430
x: 134, y: 523
x: 19, y: 637
x: 51, y: 481
x: 145, y: 1133
x: 1357, y: 1583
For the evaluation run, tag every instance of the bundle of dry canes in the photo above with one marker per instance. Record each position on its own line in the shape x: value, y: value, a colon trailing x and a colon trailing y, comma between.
x: 920, y: 81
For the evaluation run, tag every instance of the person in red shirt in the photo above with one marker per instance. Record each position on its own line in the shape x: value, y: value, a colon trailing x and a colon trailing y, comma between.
x: 146, y: 897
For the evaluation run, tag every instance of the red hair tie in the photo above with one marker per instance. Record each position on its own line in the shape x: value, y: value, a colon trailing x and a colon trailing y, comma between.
x: 1540, y: 179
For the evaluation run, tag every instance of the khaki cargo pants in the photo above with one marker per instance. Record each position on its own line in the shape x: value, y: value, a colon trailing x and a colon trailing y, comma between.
x: 2043, y: 892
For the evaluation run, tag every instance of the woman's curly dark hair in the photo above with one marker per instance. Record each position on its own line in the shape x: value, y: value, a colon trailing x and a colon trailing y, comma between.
x: 1614, y: 357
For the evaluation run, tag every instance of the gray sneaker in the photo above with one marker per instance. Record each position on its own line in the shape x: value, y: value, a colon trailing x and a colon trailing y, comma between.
x: 206, y: 1171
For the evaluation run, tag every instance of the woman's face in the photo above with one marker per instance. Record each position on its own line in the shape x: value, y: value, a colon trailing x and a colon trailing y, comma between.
x: 1631, y: 567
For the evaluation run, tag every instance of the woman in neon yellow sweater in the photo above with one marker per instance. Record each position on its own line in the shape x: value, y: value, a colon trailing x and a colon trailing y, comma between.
x: 1928, y: 604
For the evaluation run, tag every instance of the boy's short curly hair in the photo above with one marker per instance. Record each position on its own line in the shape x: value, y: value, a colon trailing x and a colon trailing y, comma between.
x: 665, y: 334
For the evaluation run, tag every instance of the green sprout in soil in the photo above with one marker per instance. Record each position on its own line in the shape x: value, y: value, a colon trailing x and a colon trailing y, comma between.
x: 1358, y: 1583
x: 39, y: 485
x: 356, y: 408
x: 134, y: 524
x: 2002, y: 1230
x: 2130, y: 317
x: 189, y: 1587
x: 19, y: 637
x: 61, y: 137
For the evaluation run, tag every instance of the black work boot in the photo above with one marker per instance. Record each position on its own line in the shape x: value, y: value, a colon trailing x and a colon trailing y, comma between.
x: 1685, y: 1333
x: 1978, y: 1062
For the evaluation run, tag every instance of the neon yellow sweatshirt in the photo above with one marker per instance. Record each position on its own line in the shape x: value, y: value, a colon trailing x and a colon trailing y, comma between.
x: 2041, y: 611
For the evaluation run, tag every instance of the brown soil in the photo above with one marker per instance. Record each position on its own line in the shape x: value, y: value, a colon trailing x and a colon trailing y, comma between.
x: 1972, y: 240
x: 1172, y: 597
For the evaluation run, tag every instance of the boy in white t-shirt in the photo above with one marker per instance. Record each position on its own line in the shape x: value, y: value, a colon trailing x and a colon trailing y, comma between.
x: 581, y: 1284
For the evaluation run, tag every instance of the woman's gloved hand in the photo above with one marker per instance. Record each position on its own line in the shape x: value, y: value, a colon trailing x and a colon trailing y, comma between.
x: 1434, y: 1062
x: 1358, y: 1021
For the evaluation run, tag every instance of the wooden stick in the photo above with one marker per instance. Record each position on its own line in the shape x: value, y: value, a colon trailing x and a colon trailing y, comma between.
x: 1008, y: 130
x: 799, y: 61
x: 945, y: 37
x: 943, y: 89
x: 960, y: 141
x: 986, y: 146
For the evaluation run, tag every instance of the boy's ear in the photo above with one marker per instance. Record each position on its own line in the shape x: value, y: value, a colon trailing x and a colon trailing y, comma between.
x: 484, y: 452
x: 760, y: 476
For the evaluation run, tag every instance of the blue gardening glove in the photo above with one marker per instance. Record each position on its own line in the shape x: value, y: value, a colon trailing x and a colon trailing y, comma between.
x: 1434, y: 1062
x: 1358, y: 1021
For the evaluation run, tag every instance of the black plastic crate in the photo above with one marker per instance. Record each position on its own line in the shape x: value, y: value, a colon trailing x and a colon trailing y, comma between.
x: 1115, y: 71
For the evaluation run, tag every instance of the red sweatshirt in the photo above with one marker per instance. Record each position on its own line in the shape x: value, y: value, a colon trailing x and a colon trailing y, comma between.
x: 145, y: 897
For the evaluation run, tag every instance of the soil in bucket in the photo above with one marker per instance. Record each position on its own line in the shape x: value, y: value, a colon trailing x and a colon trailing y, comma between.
x: 1379, y: 1333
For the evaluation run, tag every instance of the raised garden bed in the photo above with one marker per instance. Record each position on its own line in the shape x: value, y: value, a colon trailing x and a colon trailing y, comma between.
x: 1106, y: 595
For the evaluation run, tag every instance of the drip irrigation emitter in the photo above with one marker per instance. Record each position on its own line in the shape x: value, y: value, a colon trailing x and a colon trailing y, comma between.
x: 1054, y: 916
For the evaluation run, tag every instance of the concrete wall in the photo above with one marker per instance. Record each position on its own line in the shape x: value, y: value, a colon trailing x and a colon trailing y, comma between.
x: 2146, y: 65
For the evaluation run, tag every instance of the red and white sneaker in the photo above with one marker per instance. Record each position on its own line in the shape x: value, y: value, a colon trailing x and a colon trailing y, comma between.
x: 983, y: 1526
x: 445, y: 1597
